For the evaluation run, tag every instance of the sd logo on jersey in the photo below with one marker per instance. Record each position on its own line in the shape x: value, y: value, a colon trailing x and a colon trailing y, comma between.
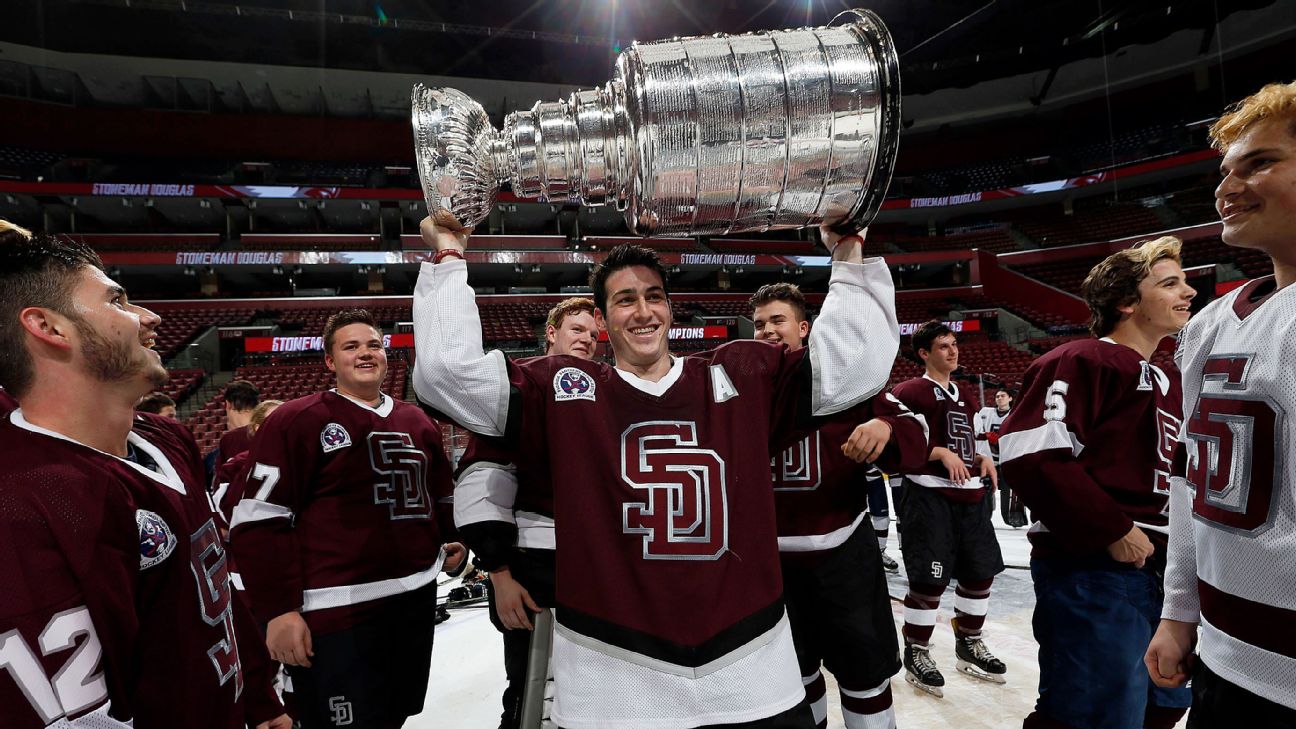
x: 573, y: 384
x: 156, y: 539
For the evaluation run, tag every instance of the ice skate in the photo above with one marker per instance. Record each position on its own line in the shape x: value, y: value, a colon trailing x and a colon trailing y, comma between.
x: 890, y: 565
x: 921, y: 671
x: 977, y: 661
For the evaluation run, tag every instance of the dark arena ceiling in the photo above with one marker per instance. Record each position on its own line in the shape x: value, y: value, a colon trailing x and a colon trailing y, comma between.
x: 943, y: 44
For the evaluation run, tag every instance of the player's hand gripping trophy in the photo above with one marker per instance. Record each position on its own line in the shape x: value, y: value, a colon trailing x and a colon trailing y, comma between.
x: 692, y: 136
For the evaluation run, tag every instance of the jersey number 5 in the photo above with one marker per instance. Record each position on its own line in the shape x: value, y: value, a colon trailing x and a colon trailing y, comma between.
x: 1233, y: 453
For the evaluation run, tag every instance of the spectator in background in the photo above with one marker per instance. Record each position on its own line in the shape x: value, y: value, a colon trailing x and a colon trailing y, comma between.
x: 241, y: 398
x: 988, y: 421
x: 157, y: 403
x: 234, y: 471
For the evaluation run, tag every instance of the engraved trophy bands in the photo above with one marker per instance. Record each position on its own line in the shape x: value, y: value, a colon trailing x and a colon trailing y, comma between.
x: 693, y: 136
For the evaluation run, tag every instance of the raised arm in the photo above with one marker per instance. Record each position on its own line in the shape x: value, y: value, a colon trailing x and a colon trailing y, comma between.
x: 856, y: 335
x: 452, y: 372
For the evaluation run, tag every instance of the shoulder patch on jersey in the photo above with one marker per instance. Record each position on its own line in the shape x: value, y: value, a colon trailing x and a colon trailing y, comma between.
x: 333, y: 437
x: 156, y: 539
x: 940, y: 393
x: 1145, y: 376
x: 722, y: 388
x: 573, y: 383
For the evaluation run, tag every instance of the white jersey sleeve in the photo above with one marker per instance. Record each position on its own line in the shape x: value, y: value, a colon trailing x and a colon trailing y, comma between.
x: 1180, y: 583
x: 452, y: 372
x: 856, y: 336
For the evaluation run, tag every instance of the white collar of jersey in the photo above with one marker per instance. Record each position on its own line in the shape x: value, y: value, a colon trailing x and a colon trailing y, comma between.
x: 658, y: 388
x: 384, y: 406
x: 952, y: 390
x: 1109, y: 340
x: 168, y: 477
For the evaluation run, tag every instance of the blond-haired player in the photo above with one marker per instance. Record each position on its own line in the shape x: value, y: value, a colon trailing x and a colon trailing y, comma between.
x: 1233, y: 513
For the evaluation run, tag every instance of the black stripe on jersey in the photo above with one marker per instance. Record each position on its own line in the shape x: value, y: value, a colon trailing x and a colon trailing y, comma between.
x: 513, y: 422
x: 724, y: 643
x: 492, y: 542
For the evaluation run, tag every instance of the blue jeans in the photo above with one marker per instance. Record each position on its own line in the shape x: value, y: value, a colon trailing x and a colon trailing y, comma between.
x: 1093, y: 621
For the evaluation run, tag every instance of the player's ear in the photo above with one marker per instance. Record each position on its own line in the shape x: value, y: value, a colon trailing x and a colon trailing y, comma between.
x: 328, y: 362
x: 599, y: 320
x: 47, y: 325
x: 550, y: 332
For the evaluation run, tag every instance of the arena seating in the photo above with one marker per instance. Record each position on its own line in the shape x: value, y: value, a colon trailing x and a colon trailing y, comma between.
x: 499, y: 243
x: 1087, y: 225
x: 182, y: 383
x: 310, y: 242
x: 770, y: 247
x: 283, y: 382
x: 150, y: 241
x: 311, y: 321
x: 23, y: 163
x: 995, y: 239
x: 665, y: 245
x: 179, y: 325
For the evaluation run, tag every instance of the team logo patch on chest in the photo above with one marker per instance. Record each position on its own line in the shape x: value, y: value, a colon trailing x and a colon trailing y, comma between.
x: 156, y: 539
x: 573, y: 384
x: 333, y: 437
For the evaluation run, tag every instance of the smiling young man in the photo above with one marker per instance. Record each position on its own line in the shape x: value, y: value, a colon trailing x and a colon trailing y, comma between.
x: 945, y: 529
x: 664, y: 510
x: 340, y: 536
x: 1090, y: 450
x: 833, y: 576
x: 116, y: 607
x: 504, y: 510
x: 1233, y: 516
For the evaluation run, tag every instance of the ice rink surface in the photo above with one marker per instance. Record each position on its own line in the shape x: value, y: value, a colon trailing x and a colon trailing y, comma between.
x: 468, y: 665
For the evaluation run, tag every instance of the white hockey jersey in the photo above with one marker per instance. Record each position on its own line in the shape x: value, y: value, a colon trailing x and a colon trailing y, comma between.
x: 1233, y: 506
x: 988, y: 419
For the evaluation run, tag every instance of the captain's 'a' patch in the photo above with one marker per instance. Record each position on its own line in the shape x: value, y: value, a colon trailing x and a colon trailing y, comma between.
x: 722, y: 388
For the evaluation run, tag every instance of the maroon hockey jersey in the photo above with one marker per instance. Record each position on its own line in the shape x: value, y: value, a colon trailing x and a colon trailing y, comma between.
x: 230, y: 480
x: 662, y: 490
x: 1089, y: 446
x: 820, y: 494
x: 115, y: 589
x: 949, y: 418
x: 339, y: 510
x: 234, y: 442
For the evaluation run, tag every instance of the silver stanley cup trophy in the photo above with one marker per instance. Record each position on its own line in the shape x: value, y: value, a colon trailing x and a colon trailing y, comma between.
x: 692, y: 136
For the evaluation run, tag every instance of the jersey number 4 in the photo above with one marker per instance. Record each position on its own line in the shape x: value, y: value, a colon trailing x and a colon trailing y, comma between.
x: 685, y: 511
x: 1233, y: 454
